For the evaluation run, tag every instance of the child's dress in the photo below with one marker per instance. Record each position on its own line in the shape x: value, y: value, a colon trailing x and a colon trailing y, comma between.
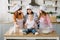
x: 20, y: 23
x: 45, y: 25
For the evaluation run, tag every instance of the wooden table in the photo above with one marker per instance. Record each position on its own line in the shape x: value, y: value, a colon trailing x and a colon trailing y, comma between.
x: 52, y: 35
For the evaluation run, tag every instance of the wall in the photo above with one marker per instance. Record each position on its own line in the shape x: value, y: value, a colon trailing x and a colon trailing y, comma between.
x: 3, y: 9
x: 6, y: 17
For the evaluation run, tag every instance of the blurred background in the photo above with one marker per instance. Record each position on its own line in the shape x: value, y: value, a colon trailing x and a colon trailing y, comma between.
x: 6, y: 13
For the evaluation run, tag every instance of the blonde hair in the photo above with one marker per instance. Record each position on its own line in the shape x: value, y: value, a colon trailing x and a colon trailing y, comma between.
x: 43, y: 13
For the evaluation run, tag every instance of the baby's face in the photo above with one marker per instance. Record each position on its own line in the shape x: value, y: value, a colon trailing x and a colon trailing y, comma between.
x: 30, y: 17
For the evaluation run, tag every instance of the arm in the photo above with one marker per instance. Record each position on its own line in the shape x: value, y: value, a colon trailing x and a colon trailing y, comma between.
x: 49, y: 21
x: 35, y: 17
x: 23, y: 20
x: 14, y: 19
x: 25, y: 25
x: 34, y: 26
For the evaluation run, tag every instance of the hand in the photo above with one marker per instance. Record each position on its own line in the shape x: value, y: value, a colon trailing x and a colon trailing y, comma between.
x: 25, y: 25
x: 33, y: 27
x: 15, y: 23
x: 17, y: 26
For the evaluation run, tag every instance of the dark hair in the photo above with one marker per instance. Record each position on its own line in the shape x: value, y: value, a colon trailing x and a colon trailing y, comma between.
x: 31, y: 12
x: 16, y: 13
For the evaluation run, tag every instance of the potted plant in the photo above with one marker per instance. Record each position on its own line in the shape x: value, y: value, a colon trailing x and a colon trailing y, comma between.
x: 58, y: 16
x: 11, y: 12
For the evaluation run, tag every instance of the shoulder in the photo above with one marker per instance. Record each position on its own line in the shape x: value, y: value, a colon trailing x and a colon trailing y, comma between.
x: 35, y: 13
x: 26, y: 15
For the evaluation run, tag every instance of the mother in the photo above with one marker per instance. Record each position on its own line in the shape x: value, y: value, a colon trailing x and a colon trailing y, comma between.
x: 29, y: 11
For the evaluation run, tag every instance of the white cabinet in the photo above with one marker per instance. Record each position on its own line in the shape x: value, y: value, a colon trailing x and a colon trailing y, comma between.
x: 50, y: 4
x: 12, y: 3
x: 58, y: 3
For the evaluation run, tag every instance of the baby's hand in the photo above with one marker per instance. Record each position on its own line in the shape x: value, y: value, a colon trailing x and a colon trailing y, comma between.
x: 33, y: 27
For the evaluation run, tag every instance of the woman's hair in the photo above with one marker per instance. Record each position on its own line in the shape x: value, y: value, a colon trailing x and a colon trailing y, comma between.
x: 16, y: 13
x: 43, y: 13
x: 31, y: 12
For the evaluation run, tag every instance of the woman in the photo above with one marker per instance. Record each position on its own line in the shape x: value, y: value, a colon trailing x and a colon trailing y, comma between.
x: 29, y: 11
x: 18, y: 19
x: 31, y: 21
x: 44, y: 21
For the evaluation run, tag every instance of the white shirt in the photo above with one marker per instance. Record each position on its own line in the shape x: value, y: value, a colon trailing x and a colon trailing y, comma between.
x: 30, y: 24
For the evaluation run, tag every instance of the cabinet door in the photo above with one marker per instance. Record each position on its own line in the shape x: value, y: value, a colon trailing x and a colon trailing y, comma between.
x: 53, y: 18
